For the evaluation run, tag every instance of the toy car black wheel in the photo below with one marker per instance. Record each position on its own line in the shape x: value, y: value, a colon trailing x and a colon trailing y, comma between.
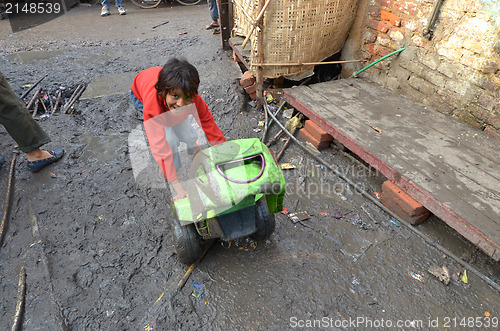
x: 264, y: 220
x: 188, y: 243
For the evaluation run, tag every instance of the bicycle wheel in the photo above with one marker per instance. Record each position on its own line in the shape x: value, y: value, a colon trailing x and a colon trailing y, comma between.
x: 146, y: 4
x: 188, y: 2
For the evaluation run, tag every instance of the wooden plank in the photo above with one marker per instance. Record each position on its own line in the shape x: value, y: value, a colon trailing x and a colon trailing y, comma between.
x: 382, y: 152
x: 458, y: 132
x: 446, y: 155
x: 244, y: 55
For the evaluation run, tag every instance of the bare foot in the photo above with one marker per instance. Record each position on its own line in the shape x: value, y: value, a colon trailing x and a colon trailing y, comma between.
x: 38, y: 154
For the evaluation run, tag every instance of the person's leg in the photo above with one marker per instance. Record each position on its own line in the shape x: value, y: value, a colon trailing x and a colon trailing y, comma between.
x: 186, y: 133
x: 214, y: 10
x: 119, y: 6
x: 16, y: 119
x: 29, y: 136
x: 174, y: 143
x: 136, y: 102
x: 214, y: 13
x: 105, y: 8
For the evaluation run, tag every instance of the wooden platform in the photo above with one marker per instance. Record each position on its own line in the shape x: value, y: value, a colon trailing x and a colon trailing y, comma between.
x: 449, y: 167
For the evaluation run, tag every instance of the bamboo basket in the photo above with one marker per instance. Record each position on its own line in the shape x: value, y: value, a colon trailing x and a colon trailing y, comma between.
x: 295, y: 31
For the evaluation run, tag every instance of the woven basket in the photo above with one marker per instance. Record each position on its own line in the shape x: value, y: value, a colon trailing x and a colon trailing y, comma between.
x: 295, y: 31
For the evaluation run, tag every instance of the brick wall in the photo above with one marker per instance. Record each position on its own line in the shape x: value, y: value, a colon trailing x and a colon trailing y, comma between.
x: 457, y: 71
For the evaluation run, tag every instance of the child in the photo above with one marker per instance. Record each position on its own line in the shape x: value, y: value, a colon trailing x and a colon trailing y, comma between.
x: 166, y: 97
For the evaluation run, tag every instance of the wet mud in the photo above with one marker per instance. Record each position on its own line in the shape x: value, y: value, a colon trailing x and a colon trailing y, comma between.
x: 95, y: 236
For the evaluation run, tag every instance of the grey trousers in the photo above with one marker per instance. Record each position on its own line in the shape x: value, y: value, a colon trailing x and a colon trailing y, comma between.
x: 16, y: 119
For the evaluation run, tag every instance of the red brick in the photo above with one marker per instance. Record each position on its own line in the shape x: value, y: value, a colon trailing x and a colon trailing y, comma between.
x: 407, y: 7
x: 306, y: 136
x: 382, y: 51
x: 235, y: 57
x: 318, y: 133
x: 403, y: 205
x: 251, y: 89
x: 371, y: 48
x: 386, y: 3
x: 379, y: 26
x: 369, y: 36
x: 374, y: 11
x: 388, y: 16
x: 247, y: 79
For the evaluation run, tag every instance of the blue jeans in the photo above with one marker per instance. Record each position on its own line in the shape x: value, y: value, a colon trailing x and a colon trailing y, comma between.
x: 214, y: 11
x: 105, y: 3
x: 137, y: 103
x: 182, y: 132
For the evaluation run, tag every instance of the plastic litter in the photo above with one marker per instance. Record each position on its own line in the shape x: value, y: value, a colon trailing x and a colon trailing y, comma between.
x: 247, y: 244
x: 198, y: 290
x: 465, y: 279
x: 299, y: 216
x: 416, y: 275
x: 395, y: 223
x: 287, y: 166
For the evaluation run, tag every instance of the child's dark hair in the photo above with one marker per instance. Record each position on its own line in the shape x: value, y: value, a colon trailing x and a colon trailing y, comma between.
x: 178, y: 74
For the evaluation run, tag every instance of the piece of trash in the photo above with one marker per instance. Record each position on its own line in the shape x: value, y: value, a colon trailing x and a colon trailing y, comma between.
x: 487, y: 314
x: 247, y: 244
x: 465, y: 279
x: 269, y: 98
x: 100, y: 217
x: 323, y: 213
x: 299, y: 216
x: 415, y: 275
x: 396, y: 223
x: 257, y: 130
x: 261, y: 123
x: 377, y: 195
x: 337, y: 214
x: 181, y: 33
x: 150, y: 326
x: 441, y: 273
x: 288, y: 113
x: 287, y: 166
x: 53, y: 175
x: 198, y: 290
x: 225, y: 244
x: 376, y: 129
x: 284, y: 211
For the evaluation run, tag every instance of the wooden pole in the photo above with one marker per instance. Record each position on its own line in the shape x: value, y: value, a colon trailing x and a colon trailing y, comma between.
x: 296, y: 64
x: 256, y: 22
x: 260, y: 56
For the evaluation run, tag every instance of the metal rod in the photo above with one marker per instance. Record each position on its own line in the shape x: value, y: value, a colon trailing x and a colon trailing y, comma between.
x: 375, y: 62
x: 32, y: 87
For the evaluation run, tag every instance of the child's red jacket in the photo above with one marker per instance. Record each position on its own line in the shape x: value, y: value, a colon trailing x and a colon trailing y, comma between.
x: 157, y: 115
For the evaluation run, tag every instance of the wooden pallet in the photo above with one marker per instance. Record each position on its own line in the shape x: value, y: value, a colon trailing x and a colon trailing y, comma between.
x: 449, y: 167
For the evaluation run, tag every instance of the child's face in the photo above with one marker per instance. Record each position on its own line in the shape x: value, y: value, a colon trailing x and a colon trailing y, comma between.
x: 176, y: 99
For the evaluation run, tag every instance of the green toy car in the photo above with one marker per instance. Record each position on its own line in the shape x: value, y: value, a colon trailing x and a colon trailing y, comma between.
x: 234, y: 189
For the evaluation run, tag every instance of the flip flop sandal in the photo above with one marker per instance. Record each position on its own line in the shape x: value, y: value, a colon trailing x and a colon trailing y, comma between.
x: 212, y: 26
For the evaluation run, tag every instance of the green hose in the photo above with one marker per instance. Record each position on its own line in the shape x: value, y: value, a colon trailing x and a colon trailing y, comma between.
x: 381, y: 59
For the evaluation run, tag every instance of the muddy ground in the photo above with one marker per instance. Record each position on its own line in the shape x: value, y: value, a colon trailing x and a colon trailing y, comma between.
x: 95, y: 237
